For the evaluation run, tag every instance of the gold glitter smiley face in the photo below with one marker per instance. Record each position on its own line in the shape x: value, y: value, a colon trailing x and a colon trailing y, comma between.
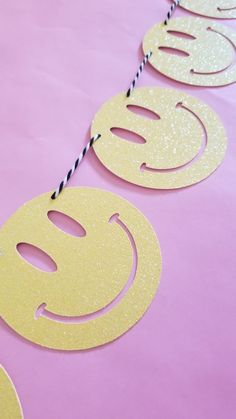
x: 10, y: 407
x: 180, y: 140
x: 104, y: 279
x: 220, y: 9
x: 194, y: 51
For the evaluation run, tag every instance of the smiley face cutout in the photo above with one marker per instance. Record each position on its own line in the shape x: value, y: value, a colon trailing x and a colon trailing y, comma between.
x: 10, y: 407
x: 219, y: 9
x: 104, y: 280
x: 180, y: 140
x: 194, y: 51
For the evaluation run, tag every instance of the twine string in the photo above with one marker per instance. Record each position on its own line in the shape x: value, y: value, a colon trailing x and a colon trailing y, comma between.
x: 75, y: 166
x: 171, y: 11
x: 147, y: 57
x: 139, y: 72
x: 133, y: 84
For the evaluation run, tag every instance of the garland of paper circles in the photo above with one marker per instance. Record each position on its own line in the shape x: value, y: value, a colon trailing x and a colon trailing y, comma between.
x: 183, y: 145
x: 194, y: 51
x: 104, y: 281
x: 219, y: 9
x: 10, y: 407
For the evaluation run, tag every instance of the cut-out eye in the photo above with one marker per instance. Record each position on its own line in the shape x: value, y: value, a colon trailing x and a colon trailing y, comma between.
x: 127, y: 135
x: 146, y: 113
x: 181, y: 35
x: 67, y: 224
x: 174, y: 51
x: 36, y: 257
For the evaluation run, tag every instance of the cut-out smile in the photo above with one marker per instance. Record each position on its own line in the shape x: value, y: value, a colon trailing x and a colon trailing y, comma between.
x: 194, y: 71
x: 145, y: 167
x: 42, y: 310
x: 226, y: 9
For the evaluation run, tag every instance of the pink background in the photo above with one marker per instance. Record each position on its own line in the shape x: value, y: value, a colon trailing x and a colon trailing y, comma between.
x: 59, y: 61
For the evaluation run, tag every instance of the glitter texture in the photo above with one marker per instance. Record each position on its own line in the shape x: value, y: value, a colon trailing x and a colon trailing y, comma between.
x: 10, y: 407
x: 91, y: 271
x: 208, y: 59
x: 174, y: 154
x: 220, y: 9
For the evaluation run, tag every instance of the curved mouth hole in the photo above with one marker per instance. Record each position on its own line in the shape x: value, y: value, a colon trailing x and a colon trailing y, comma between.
x: 36, y: 257
x: 182, y: 35
x: 193, y: 71
x: 66, y: 223
x: 42, y: 311
x: 182, y: 107
x: 174, y: 51
x: 144, y: 112
x: 128, y: 135
x: 228, y: 9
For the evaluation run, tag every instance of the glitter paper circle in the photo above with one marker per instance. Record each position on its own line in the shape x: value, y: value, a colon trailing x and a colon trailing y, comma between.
x: 10, y: 407
x: 104, y: 282
x: 183, y: 146
x: 193, y: 51
x: 220, y: 9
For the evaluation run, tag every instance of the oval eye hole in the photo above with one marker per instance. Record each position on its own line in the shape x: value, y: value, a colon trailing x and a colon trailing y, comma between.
x: 146, y: 113
x: 67, y: 224
x: 36, y: 257
x: 181, y: 35
x: 127, y: 135
x: 174, y: 51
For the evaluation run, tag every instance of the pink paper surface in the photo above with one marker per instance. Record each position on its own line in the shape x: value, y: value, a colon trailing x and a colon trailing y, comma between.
x: 60, y: 60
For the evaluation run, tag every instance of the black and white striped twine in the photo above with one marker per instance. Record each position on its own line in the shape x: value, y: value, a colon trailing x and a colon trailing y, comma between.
x: 140, y: 70
x: 171, y: 11
x: 75, y: 166
x: 146, y: 58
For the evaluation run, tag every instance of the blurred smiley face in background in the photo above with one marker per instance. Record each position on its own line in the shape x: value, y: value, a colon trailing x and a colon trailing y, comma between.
x: 10, y: 407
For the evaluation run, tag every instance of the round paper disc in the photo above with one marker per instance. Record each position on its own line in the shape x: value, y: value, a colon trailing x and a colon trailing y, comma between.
x: 104, y: 282
x: 182, y: 146
x: 193, y: 51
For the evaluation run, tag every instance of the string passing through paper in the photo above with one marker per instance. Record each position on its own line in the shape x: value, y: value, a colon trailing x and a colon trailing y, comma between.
x: 171, y: 11
x: 147, y: 57
x: 145, y: 60
x: 75, y: 166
